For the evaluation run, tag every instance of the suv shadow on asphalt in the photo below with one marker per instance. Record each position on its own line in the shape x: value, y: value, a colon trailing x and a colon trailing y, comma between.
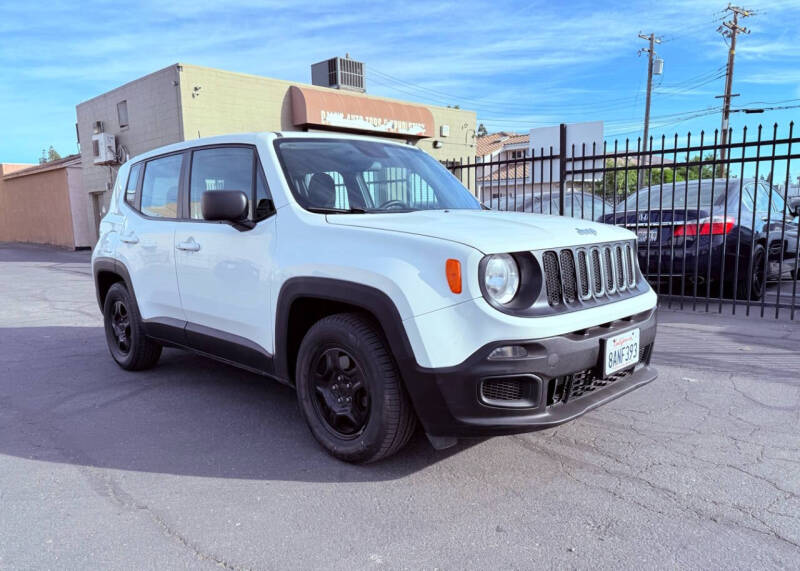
x: 63, y: 399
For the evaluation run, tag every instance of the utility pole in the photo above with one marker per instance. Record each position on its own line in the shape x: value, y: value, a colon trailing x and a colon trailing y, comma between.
x: 730, y: 29
x: 653, y: 40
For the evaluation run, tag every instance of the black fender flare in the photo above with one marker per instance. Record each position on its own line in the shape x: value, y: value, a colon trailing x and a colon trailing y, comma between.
x: 420, y: 383
x: 370, y: 299
x: 107, y: 264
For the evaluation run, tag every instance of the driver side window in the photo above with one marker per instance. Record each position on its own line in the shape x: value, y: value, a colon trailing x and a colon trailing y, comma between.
x: 221, y: 168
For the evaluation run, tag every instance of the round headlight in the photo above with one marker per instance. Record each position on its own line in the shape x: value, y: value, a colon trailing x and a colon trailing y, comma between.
x: 501, y: 278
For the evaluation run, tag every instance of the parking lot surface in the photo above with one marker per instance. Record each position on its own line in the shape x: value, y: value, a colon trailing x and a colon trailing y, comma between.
x: 197, y: 464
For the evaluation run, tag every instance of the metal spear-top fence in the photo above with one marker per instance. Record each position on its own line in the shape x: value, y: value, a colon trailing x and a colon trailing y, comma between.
x: 717, y: 225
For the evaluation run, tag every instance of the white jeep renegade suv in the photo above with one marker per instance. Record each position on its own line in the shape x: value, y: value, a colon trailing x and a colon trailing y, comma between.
x: 363, y: 274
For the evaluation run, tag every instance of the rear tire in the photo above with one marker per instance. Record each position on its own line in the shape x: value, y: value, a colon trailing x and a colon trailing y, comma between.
x: 758, y: 281
x: 350, y: 391
x: 127, y: 342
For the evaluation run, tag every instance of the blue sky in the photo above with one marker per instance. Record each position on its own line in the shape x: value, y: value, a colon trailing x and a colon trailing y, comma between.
x: 518, y: 64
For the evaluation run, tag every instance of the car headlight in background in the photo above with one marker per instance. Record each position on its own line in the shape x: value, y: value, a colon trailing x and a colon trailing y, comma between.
x: 501, y: 278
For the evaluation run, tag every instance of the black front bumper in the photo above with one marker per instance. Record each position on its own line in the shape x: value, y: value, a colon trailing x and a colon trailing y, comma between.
x: 452, y: 401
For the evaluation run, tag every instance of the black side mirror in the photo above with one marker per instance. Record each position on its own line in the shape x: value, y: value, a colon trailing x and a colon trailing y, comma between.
x: 224, y: 205
x: 793, y: 206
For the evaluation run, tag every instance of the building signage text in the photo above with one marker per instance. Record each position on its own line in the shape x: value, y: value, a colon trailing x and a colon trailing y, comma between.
x: 383, y: 124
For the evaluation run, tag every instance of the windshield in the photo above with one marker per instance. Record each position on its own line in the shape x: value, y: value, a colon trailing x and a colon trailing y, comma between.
x: 340, y: 175
x: 684, y: 195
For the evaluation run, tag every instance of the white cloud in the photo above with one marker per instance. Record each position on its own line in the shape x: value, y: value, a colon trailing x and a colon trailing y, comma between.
x: 781, y: 76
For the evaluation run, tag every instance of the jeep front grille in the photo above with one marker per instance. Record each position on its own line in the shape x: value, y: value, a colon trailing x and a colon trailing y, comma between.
x: 568, y: 279
x: 582, y: 272
x: 553, y: 277
x: 597, y: 272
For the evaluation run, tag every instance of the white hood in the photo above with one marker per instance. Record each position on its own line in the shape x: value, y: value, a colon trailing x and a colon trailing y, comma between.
x: 490, y: 231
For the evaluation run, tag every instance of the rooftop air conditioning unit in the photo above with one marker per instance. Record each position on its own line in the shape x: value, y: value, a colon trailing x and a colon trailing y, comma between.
x: 339, y: 73
x: 104, y: 149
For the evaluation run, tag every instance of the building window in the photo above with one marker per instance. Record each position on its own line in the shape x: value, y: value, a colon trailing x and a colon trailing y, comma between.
x: 122, y: 114
x: 517, y: 154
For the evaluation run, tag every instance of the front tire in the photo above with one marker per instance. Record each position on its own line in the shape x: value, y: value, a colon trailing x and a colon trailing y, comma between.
x: 350, y: 392
x: 127, y: 342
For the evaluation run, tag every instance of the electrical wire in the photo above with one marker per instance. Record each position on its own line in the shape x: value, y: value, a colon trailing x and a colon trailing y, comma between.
x: 699, y: 77
x: 388, y: 80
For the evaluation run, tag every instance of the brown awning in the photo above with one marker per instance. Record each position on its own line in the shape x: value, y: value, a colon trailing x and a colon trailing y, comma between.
x: 334, y: 109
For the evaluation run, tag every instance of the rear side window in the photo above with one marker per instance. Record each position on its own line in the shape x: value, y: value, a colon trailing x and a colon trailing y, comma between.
x: 133, y: 184
x: 160, y: 187
x: 776, y: 204
x: 221, y: 168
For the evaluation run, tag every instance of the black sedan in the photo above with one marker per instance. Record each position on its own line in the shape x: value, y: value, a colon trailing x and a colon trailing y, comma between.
x: 722, y: 236
x: 577, y: 204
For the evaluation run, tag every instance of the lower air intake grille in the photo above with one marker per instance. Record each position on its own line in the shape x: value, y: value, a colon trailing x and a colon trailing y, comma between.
x: 584, y: 382
x: 644, y: 353
x: 502, y: 389
x: 570, y: 387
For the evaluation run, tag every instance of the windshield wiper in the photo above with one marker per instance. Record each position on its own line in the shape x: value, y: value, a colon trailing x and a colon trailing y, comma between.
x: 326, y: 210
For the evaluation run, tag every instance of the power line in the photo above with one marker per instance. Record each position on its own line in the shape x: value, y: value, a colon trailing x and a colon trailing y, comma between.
x: 509, y: 111
x: 668, y: 123
x: 699, y: 77
x: 670, y: 91
x: 669, y: 116
x: 486, y: 103
x: 770, y: 102
x: 692, y: 30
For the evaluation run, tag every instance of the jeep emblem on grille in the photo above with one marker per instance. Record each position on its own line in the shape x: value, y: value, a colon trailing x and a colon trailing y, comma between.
x: 585, y: 231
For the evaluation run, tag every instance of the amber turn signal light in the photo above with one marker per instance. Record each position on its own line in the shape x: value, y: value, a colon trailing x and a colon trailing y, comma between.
x: 453, y: 271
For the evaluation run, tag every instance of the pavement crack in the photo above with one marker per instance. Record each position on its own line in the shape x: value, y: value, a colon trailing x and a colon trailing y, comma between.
x: 108, y: 487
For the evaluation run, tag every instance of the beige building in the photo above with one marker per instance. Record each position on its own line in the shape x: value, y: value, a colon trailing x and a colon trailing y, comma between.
x: 44, y: 204
x: 183, y: 102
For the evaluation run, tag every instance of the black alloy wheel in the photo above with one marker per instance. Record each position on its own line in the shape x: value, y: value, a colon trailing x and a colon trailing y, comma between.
x: 350, y: 391
x: 342, y: 397
x: 125, y: 335
x: 121, y: 326
x: 758, y: 281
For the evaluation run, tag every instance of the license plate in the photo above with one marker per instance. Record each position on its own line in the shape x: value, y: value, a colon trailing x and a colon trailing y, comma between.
x: 621, y: 352
x: 646, y: 235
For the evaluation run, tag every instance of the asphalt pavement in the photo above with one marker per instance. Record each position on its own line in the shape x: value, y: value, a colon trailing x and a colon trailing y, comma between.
x: 197, y: 464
